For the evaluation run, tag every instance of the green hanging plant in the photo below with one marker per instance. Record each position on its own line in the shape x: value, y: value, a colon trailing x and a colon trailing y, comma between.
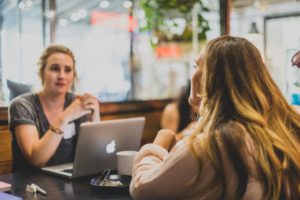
x: 161, y: 14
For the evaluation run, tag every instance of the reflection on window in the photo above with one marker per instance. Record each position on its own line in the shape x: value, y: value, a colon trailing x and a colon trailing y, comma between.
x: 114, y: 59
x: 101, y: 42
x: 20, y: 45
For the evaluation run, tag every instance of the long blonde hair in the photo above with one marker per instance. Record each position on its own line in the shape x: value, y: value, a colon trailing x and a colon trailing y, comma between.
x: 236, y: 86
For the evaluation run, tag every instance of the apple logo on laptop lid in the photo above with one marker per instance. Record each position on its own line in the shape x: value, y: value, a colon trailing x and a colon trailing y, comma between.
x: 111, y: 147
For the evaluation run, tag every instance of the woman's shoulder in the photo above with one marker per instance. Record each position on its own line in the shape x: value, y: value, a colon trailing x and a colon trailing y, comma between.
x: 27, y: 98
x: 171, y: 108
x: 23, y: 107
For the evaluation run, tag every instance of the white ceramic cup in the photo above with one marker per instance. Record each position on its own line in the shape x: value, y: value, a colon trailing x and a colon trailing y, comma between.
x: 125, y: 161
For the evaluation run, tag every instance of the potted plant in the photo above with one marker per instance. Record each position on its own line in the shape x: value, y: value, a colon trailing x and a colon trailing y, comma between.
x: 162, y: 16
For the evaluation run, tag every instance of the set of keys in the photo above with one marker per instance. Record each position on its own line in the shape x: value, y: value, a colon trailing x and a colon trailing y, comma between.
x: 34, y: 189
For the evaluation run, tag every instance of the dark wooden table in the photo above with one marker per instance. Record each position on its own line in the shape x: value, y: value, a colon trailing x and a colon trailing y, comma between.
x: 58, y: 188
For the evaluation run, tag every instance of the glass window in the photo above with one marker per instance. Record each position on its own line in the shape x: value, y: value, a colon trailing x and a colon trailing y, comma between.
x: 277, y: 38
x: 21, y: 41
x: 280, y: 48
x: 115, y: 59
x: 99, y: 36
x: 161, y: 69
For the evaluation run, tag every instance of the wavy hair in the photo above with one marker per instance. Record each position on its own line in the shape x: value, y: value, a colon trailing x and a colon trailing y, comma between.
x: 236, y: 86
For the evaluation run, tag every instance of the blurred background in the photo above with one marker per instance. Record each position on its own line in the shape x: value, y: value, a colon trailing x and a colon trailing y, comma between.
x: 138, y: 49
x: 136, y: 56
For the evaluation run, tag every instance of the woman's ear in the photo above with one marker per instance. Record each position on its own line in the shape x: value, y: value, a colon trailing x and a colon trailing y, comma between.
x: 42, y: 79
x: 195, y: 96
x: 296, y: 59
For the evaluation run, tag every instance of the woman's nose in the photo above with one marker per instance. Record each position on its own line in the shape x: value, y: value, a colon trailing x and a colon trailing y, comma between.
x: 61, y: 74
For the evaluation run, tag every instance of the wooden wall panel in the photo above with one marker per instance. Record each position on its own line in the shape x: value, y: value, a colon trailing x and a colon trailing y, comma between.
x: 5, y: 150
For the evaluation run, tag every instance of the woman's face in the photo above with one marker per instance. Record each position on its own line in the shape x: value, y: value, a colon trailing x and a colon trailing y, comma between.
x: 296, y: 59
x: 194, y: 98
x: 59, y: 73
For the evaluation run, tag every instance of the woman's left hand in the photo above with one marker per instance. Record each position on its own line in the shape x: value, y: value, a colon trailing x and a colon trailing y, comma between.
x: 90, y: 102
x: 165, y: 138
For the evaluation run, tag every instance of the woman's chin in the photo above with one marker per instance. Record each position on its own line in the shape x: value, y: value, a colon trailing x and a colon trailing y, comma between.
x: 60, y: 92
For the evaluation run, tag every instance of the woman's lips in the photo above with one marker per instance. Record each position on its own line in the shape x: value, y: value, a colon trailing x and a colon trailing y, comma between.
x: 60, y: 84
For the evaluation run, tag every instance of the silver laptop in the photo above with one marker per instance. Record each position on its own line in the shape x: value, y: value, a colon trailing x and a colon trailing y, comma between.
x: 97, y: 145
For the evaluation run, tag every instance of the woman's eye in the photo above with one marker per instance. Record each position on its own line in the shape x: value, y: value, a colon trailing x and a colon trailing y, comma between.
x: 68, y: 69
x: 54, y: 68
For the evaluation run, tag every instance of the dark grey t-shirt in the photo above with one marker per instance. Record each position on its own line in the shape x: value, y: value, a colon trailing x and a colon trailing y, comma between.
x: 27, y: 109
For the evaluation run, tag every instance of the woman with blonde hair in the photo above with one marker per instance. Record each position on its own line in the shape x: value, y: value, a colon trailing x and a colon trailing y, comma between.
x: 44, y: 125
x: 246, y: 144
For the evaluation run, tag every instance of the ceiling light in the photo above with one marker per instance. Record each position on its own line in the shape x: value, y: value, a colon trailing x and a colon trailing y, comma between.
x: 63, y: 22
x: 82, y: 13
x: 28, y: 3
x: 253, y: 28
x: 50, y: 13
x: 143, y: 23
x: 154, y: 40
x: 261, y: 4
x: 104, y: 4
x: 75, y: 17
x: 127, y: 4
x: 22, y: 5
x: 141, y: 14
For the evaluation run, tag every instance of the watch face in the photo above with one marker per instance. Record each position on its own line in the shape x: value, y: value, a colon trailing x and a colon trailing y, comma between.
x: 56, y: 130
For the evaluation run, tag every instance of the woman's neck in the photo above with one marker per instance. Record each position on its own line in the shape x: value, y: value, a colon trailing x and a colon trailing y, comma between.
x: 50, y: 101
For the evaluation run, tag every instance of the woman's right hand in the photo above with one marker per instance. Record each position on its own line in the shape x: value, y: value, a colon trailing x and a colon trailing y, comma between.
x: 74, y: 111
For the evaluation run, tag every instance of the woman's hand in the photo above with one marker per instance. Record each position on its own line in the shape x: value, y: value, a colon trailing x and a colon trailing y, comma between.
x: 82, y: 105
x: 74, y: 111
x: 91, y: 103
x: 165, y: 138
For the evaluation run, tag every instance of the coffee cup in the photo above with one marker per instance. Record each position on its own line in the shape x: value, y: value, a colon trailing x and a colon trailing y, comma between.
x: 125, y: 161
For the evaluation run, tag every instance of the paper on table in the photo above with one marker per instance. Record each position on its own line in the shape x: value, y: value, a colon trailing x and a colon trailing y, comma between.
x: 7, y: 196
x: 4, y: 186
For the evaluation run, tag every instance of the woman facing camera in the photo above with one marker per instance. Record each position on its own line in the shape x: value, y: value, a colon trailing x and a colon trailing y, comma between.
x: 246, y: 144
x: 44, y: 125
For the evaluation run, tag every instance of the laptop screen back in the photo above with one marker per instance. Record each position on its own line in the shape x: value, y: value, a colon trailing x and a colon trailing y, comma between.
x: 98, y: 143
